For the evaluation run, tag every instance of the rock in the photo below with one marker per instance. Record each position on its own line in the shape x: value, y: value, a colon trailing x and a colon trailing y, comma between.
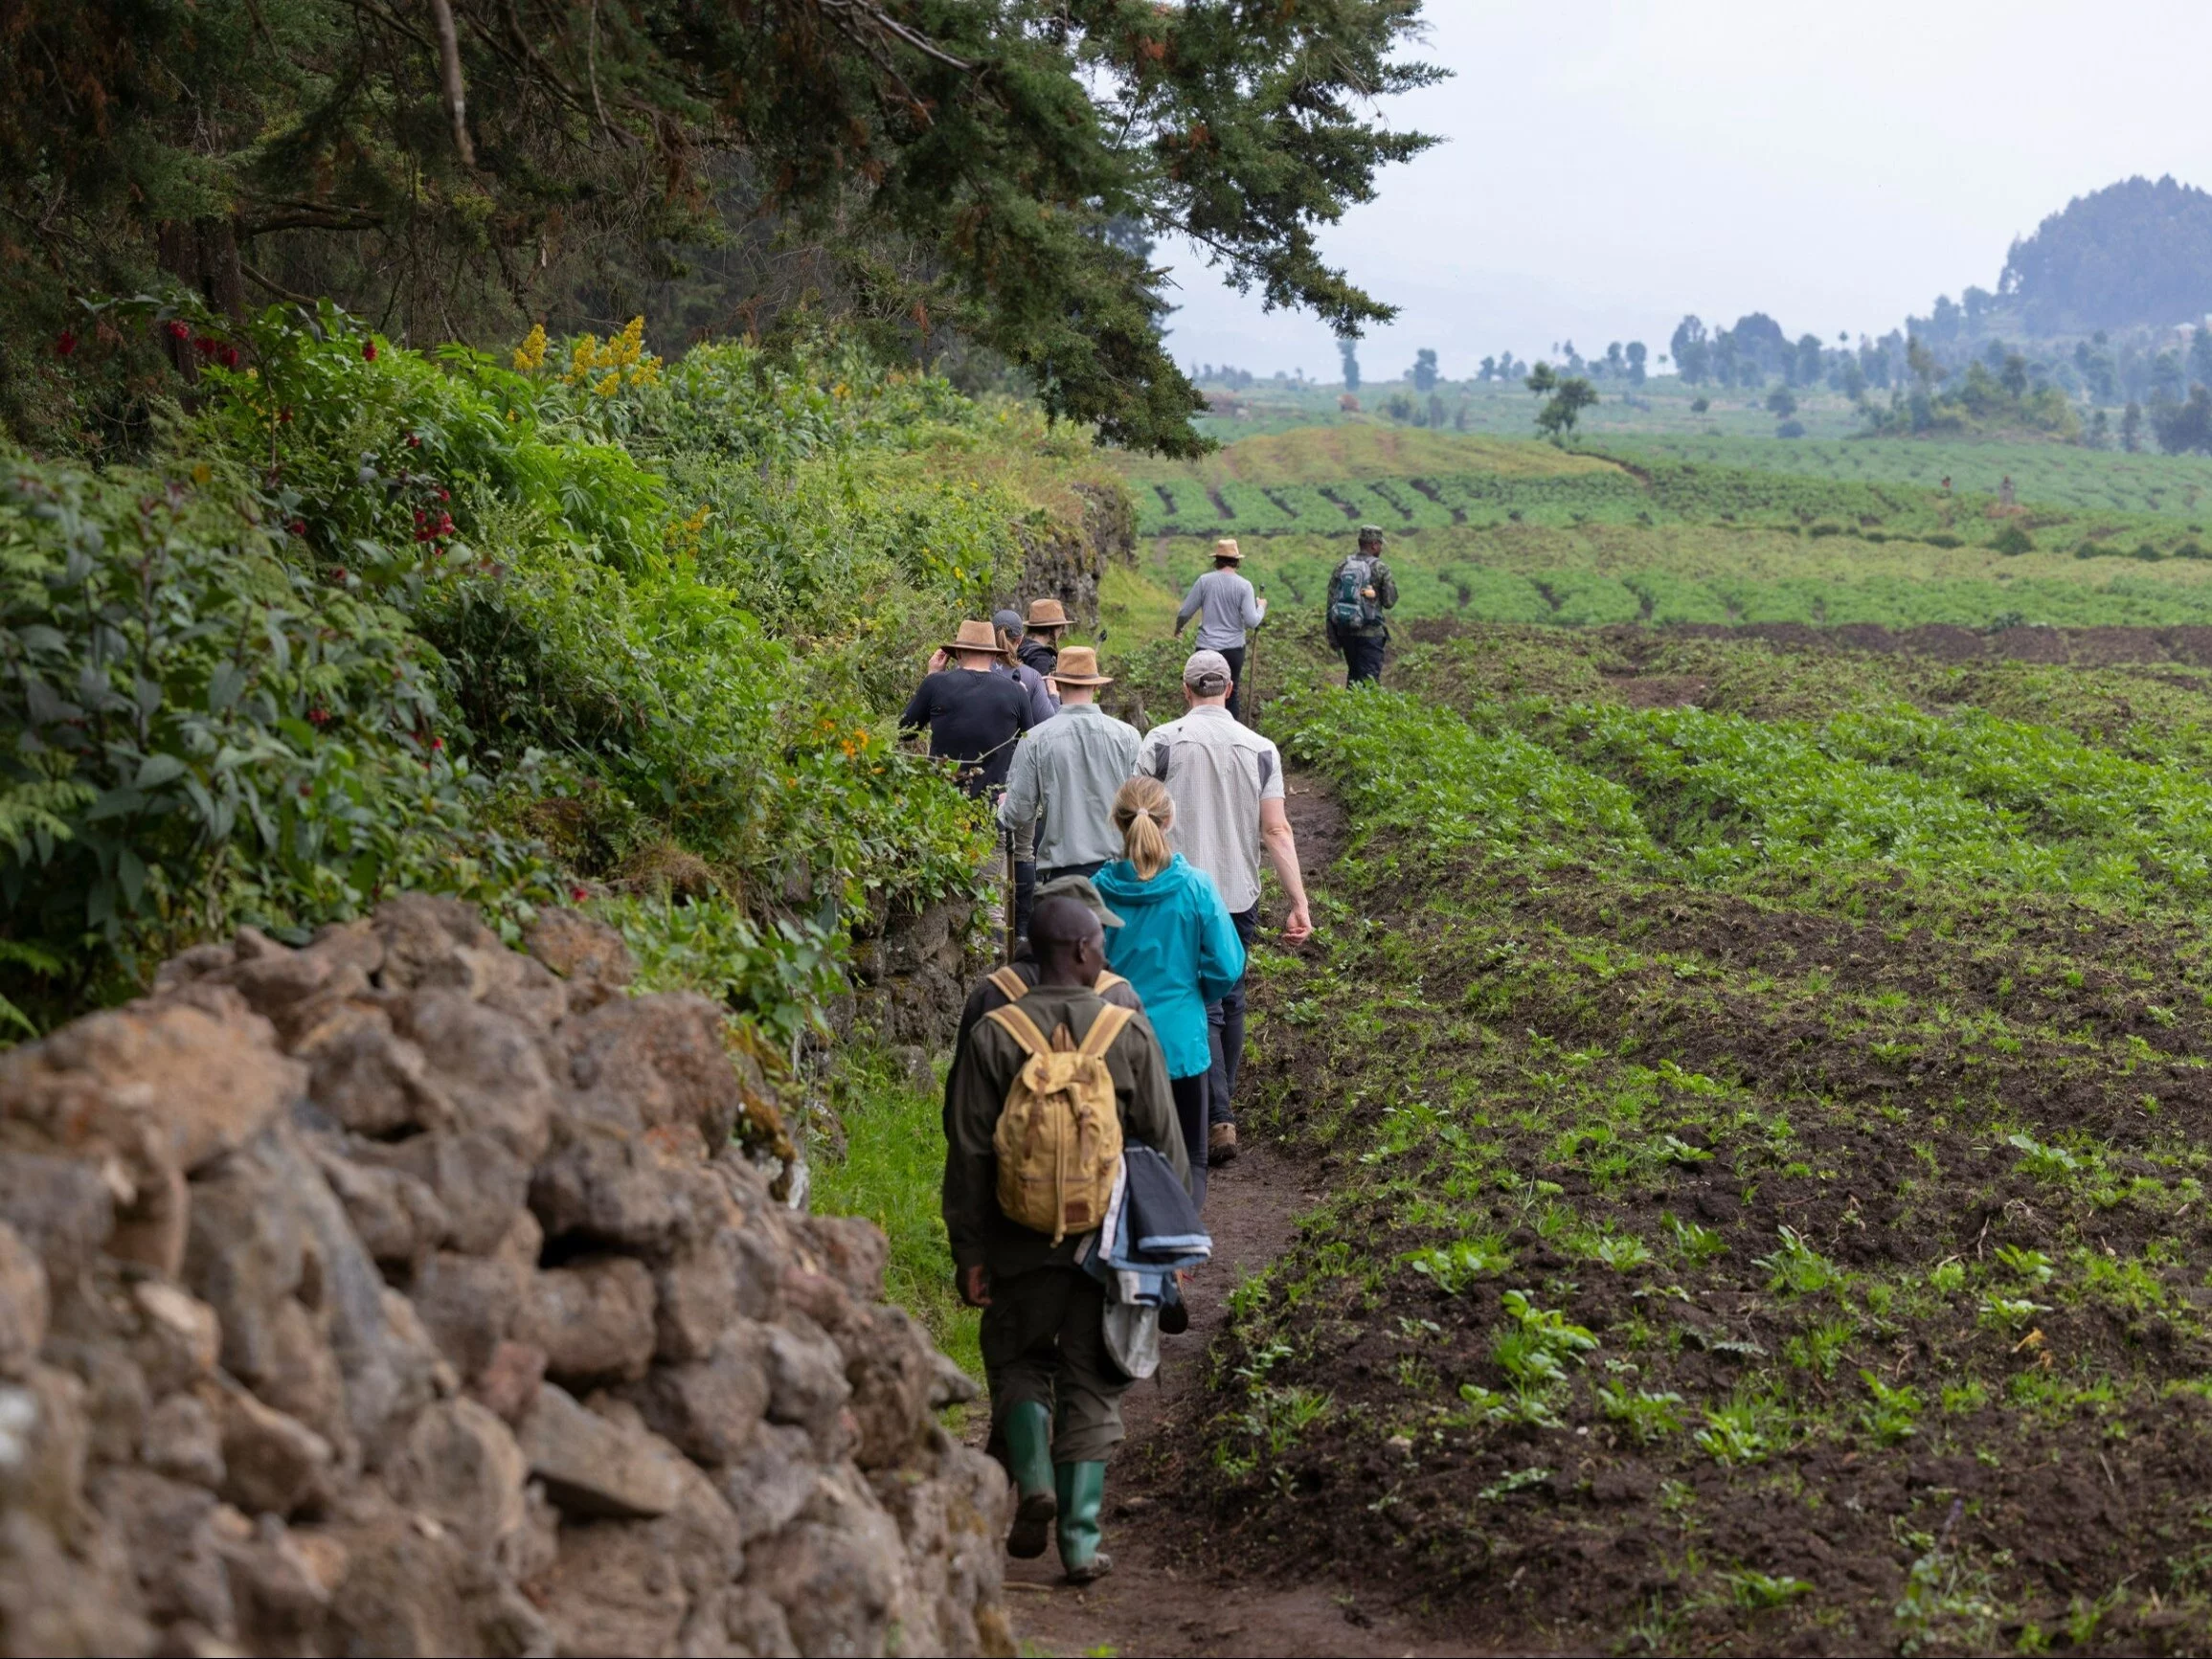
x: 508, y: 1385
x: 183, y: 1334
x: 371, y: 1079
x: 771, y: 1482
x: 615, y: 1590
x: 278, y: 1589
x: 23, y: 1304
x: 183, y: 1442
x: 175, y: 1084
x: 709, y: 1408
x: 807, y: 1383
x: 695, y: 1297
x: 169, y: 1531
x: 488, y: 1064
x: 837, y: 1572
x: 663, y: 1056
x: 396, y: 1214
x: 478, y: 1183
x: 246, y: 1256
x: 74, y: 1603
x: 468, y: 1305
x: 593, y: 1467
x: 270, y: 1461
x: 894, y: 1371
x: 464, y: 1467
x: 594, y: 1319
x: 420, y: 932
x: 116, y: 1398
x: 44, y: 1437
x: 412, y: 1588
x: 625, y: 1192
x: 851, y: 1249
x: 589, y: 954
x: 62, y: 1209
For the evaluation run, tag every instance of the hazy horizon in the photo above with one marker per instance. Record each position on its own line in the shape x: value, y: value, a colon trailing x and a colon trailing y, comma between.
x: 1607, y: 170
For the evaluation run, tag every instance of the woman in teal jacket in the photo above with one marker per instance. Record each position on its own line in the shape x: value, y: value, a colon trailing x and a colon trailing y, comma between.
x: 1176, y: 946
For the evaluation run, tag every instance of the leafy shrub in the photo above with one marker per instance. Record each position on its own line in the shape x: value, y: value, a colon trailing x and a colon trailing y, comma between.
x: 2012, y: 541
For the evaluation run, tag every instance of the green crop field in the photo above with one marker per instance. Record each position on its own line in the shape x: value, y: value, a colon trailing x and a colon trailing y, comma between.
x: 1763, y: 1107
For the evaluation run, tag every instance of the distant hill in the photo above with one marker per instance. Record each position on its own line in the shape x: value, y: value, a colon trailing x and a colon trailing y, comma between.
x: 2134, y: 254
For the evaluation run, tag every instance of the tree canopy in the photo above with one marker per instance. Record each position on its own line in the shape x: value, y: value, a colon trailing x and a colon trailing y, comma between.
x: 988, y: 170
x: 2133, y: 254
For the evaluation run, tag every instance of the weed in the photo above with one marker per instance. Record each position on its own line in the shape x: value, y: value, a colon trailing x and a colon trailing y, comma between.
x: 1795, y: 1267
x: 1646, y: 1417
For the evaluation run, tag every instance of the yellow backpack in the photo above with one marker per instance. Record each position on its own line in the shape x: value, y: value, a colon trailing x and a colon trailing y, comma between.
x: 1013, y: 987
x: 1059, y: 1136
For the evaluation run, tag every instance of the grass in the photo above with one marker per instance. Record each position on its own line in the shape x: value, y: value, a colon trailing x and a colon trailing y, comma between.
x: 890, y: 1171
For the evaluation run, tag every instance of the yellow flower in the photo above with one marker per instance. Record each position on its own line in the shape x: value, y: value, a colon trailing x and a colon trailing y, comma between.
x: 606, y: 388
x: 530, y: 355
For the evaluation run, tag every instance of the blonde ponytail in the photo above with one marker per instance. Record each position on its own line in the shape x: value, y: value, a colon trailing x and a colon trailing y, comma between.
x: 1144, y: 812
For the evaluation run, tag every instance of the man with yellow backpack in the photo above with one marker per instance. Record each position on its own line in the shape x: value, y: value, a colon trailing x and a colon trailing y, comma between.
x: 1044, y: 1095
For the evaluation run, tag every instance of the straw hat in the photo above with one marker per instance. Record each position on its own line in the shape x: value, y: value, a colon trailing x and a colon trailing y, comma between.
x: 1227, y: 548
x: 1078, y: 666
x: 976, y: 637
x: 1048, y: 613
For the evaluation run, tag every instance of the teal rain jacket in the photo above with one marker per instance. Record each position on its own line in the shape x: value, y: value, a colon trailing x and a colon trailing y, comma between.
x: 1177, y: 947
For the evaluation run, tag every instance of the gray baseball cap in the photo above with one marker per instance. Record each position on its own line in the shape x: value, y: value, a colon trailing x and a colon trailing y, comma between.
x: 1207, y: 674
x: 1010, y: 621
x: 1083, y: 892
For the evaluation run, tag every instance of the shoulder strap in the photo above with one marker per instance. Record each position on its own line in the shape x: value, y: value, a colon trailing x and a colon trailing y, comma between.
x: 1104, y: 1029
x: 1010, y: 983
x: 1107, y: 980
x: 1020, y: 1028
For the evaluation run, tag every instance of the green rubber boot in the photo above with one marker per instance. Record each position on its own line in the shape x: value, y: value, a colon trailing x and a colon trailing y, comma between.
x: 1028, y: 1430
x: 1082, y: 1494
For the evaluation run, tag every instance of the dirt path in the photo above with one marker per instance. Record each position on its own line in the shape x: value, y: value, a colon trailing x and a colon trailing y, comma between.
x: 1162, y: 1596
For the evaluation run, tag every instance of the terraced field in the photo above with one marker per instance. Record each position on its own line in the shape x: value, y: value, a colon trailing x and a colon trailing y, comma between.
x: 1762, y: 1098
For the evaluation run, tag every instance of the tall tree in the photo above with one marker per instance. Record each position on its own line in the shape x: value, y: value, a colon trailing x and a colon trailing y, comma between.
x: 1349, y: 348
x: 1423, y: 373
x: 1635, y: 362
x: 994, y: 166
x: 1692, y: 351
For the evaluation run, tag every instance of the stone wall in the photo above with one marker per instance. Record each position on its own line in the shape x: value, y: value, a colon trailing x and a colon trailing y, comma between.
x: 406, y: 1294
x: 1067, y: 567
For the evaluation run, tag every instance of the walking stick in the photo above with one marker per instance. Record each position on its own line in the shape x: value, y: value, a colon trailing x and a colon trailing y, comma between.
x: 1252, y: 671
x: 1007, y: 837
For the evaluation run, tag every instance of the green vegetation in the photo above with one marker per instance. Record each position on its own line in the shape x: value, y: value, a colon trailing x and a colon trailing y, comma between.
x: 1766, y: 1145
x: 978, y: 180
x: 578, y: 624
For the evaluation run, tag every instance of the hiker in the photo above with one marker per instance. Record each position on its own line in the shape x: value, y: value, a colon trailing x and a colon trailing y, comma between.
x: 1015, y: 981
x: 1018, y: 1232
x: 1226, y: 783
x: 1043, y: 704
x: 1040, y: 634
x: 1360, y: 589
x: 1178, y: 947
x: 1064, y: 775
x: 1224, y: 605
x: 973, y: 715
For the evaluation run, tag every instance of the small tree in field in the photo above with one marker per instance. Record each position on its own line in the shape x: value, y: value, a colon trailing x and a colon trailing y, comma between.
x: 1635, y: 362
x: 1569, y: 398
x: 1423, y: 373
x: 1782, y: 402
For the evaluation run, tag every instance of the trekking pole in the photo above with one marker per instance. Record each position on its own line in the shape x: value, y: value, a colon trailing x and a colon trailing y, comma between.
x: 1007, y: 837
x: 1251, y: 670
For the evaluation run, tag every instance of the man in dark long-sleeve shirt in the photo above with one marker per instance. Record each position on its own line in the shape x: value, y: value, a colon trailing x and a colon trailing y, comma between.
x: 972, y: 715
x: 1055, y: 1393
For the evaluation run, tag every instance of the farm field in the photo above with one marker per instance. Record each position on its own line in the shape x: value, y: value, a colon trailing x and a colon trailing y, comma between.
x: 1760, y: 1098
x: 1495, y: 530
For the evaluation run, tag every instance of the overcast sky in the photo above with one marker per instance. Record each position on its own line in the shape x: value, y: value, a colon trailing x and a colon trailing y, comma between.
x: 1609, y: 164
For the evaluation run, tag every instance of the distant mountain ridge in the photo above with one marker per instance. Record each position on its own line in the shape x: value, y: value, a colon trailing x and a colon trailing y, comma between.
x: 2135, y: 254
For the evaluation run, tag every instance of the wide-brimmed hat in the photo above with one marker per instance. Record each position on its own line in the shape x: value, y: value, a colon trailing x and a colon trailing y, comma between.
x: 975, y: 637
x: 1048, y: 613
x: 1227, y: 548
x: 1078, y: 666
x: 1083, y: 892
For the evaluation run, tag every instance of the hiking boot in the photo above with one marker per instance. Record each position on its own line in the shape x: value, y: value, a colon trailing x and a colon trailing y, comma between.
x: 1082, y: 1490
x: 1221, y: 1144
x: 1029, y: 1431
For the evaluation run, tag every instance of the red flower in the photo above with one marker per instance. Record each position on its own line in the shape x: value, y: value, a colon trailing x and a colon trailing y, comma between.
x: 284, y: 415
x: 228, y: 356
x: 414, y: 440
x: 318, y: 715
x: 578, y: 895
x: 445, y: 496
x: 368, y: 351
x: 179, y: 331
x: 64, y: 344
x: 307, y: 790
x: 206, y: 344
x: 297, y: 528
x: 438, y: 743
x: 338, y: 575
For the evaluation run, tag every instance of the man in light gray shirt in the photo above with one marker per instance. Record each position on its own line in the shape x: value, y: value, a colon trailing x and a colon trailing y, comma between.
x: 1227, y: 785
x: 1224, y: 605
x: 1067, y: 771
